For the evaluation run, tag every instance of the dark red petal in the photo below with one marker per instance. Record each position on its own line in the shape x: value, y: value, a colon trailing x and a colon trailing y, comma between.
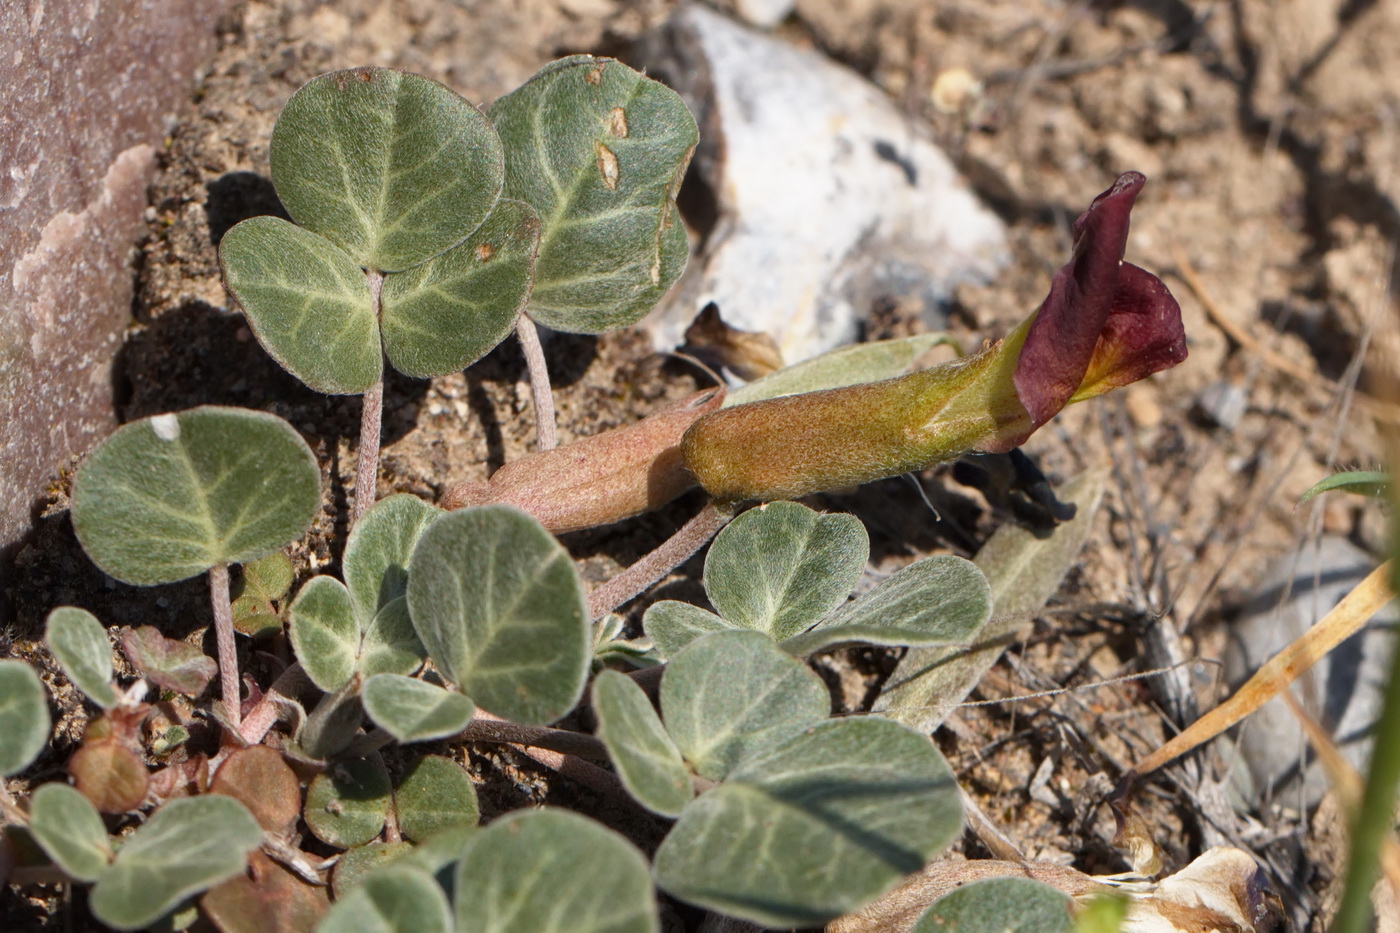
x: 1143, y: 334
x: 1062, y: 338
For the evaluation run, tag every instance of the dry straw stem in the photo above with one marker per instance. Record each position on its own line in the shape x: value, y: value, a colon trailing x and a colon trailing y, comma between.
x: 1345, y: 619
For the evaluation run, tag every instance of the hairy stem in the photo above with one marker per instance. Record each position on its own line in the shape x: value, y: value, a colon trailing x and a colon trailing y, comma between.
x: 371, y: 418
x: 529, y: 336
x: 673, y: 552
x: 228, y: 651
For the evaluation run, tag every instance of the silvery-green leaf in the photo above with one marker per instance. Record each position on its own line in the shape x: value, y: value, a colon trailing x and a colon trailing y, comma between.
x: 599, y: 151
x: 378, y: 551
x: 672, y: 624
x: 347, y: 803
x: 646, y: 759
x: 1006, y: 905
x: 358, y: 862
x: 497, y: 603
x: 307, y: 302
x: 435, y: 794
x: 844, y: 366
x: 941, y: 600
x: 79, y: 642
x: 731, y: 694
x: 392, y: 899
x: 188, y: 846
x: 168, y: 497
x: 391, y: 646
x: 553, y: 871
x: 392, y: 167
x: 450, y: 311
x: 70, y: 831
x: 414, y: 711
x: 324, y: 633
x: 1023, y: 572
x: 24, y: 716
x: 780, y: 567
x: 331, y: 726
x: 815, y: 827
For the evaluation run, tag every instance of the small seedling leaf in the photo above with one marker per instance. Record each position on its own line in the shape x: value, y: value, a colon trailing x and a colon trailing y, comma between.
x: 267, y: 898
x: 672, y: 624
x: 414, y: 711
x: 168, y: 663
x: 731, y: 694
x: 392, y: 899
x: 852, y: 805
x: 70, y: 831
x: 452, y: 310
x: 379, y: 549
x: 264, y: 582
x: 1023, y: 572
x: 435, y: 794
x: 188, y: 846
x: 501, y: 610
x: 599, y: 151
x: 552, y: 871
x: 844, y: 366
x: 359, y: 862
x: 168, y: 497
x: 391, y: 646
x: 1007, y: 905
x: 646, y: 759
x: 109, y: 774
x: 24, y: 716
x: 782, y: 566
x: 307, y: 301
x: 941, y: 600
x: 79, y: 642
x: 262, y: 781
x: 393, y: 167
x: 346, y: 804
x: 324, y: 632
x: 1361, y: 482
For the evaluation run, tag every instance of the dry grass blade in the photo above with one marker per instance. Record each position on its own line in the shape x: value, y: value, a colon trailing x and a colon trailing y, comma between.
x: 1345, y: 619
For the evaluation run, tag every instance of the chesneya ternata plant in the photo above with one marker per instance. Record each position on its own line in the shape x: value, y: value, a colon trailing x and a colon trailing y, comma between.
x: 1105, y: 324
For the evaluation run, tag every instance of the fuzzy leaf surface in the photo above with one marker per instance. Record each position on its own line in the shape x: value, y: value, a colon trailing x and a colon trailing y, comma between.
x: 390, y: 645
x: 392, y: 899
x: 415, y: 711
x: 347, y: 803
x: 729, y: 694
x: 500, y: 608
x: 324, y: 633
x: 941, y: 600
x: 307, y: 302
x: 815, y: 827
x: 599, y: 151
x: 780, y: 567
x: 672, y: 624
x: 379, y: 549
x: 646, y: 759
x: 70, y: 831
x: 394, y: 168
x: 553, y: 871
x: 844, y: 366
x: 435, y: 794
x: 167, y: 662
x: 1007, y: 905
x: 188, y: 846
x: 24, y: 716
x: 452, y: 310
x: 79, y: 642
x: 260, y: 779
x: 166, y: 498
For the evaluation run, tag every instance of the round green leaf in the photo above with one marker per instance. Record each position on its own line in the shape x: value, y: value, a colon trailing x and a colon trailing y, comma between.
x: 552, y: 871
x: 24, y: 716
x: 672, y: 625
x: 435, y: 794
x: 168, y: 497
x: 80, y: 643
x: 188, y: 846
x: 599, y: 151
x: 379, y: 549
x: 852, y: 805
x: 392, y: 167
x: 1003, y: 905
x: 450, y: 311
x: 501, y: 610
x: 391, y: 899
x: 941, y: 600
x: 390, y: 645
x: 781, y: 567
x: 414, y: 711
x: 731, y: 694
x: 324, y: 633
x: 308, y: 303
x: 646, y: 759
x: 70, y: 831
x: 346, y: 804
x: 360, y: 861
